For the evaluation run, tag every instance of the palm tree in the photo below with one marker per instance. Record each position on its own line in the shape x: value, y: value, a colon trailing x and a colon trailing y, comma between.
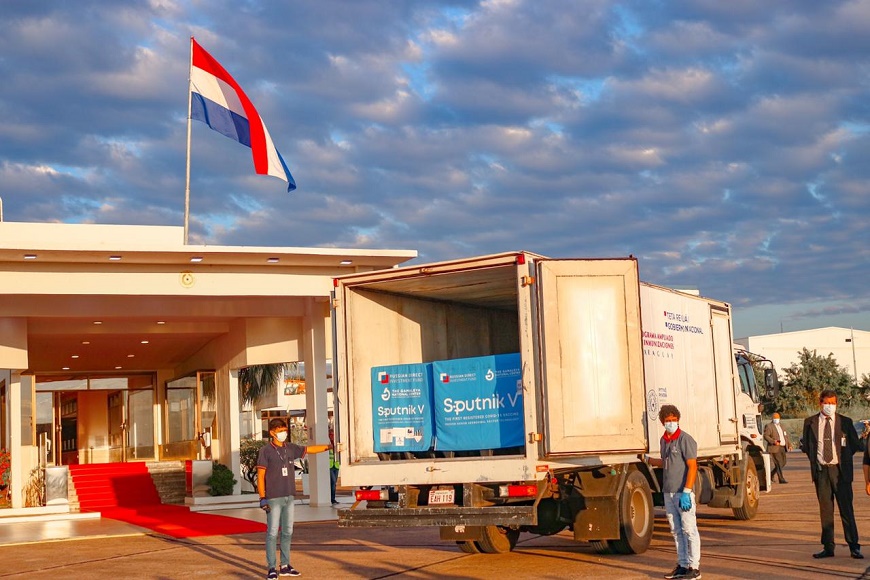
x: 257, y: 380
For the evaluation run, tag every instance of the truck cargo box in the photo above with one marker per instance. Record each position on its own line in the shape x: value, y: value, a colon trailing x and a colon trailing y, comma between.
x: 575, y: 324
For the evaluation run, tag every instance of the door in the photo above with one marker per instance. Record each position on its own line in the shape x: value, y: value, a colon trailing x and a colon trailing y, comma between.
x: 591, y: 356
x: 723, y: 352
x: 117, y: 426
x: 190, y: 417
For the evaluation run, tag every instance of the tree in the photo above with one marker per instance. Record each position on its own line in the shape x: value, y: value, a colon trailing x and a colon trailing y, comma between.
x: 804, y: 380
x: 864, y: 387
x: 257, y: 380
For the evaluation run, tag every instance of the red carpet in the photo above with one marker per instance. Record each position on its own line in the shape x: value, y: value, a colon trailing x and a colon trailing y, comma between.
x: 179, y: 522
x: 126, y: 492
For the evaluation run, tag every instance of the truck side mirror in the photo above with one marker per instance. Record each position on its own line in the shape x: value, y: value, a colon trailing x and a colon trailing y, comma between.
x: 771, y: 384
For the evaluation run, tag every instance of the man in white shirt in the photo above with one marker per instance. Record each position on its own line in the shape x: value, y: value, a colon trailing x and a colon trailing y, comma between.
x: 830, y: 441
x: 778, y: 444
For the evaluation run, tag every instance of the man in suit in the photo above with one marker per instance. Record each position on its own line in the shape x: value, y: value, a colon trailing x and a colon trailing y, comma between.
x: 830, y: 441
x: 778, y: 444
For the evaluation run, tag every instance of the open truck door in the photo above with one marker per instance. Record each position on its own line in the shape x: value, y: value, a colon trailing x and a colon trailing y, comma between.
x: 591, y: 356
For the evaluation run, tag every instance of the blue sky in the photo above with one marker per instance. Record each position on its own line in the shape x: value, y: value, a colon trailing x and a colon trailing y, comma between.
x: 725, y: 144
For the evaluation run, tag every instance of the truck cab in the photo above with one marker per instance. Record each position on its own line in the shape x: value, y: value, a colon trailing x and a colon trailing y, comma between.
x: 750, y: 400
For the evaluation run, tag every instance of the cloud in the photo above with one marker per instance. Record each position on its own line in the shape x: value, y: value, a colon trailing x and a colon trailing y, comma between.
x: 722, y: 144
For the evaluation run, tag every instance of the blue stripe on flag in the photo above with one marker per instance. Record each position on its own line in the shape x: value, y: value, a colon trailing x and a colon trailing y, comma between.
x: 223, y: 121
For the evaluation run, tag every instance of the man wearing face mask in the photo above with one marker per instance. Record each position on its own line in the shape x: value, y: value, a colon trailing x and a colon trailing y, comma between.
x: 777, y: 445
x: 679, y: 460
x: 276, y: 484
x: 830, y: 441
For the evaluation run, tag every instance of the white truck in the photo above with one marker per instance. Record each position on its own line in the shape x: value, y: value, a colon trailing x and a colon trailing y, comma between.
x: 597, y: 354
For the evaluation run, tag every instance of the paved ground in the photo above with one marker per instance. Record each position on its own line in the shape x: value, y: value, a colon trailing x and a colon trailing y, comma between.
x: 777, y: 544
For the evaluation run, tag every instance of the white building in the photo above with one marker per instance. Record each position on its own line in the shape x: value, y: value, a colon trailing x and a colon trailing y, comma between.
x: 851, y: 348
x: 123, y: 343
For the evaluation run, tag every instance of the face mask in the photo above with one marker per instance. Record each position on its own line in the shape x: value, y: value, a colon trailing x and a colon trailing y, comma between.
x: 281, y: 436
x: 829, y: 409
x: 671, y: 427
x: 776, y: 421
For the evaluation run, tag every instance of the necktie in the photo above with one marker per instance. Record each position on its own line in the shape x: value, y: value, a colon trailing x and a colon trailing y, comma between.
x: 828, y: 449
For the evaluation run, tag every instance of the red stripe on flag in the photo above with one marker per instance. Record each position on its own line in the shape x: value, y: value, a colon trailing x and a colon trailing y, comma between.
x: 203, y: 60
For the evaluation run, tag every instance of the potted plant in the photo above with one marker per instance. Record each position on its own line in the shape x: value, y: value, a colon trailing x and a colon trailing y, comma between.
x: 302, y: 468
x: 221, y: 481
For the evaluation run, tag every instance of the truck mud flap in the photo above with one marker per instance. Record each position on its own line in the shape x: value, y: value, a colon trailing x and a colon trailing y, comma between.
x: 440, y: 516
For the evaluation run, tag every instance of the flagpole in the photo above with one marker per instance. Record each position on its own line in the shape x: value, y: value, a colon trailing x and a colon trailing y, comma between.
x: 187, y: 176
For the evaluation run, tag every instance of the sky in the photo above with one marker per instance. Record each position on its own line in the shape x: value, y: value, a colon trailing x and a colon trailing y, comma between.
x: 724, y: 144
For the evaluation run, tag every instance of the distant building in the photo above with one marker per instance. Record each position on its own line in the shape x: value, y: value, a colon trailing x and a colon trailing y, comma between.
x: 851, y: 348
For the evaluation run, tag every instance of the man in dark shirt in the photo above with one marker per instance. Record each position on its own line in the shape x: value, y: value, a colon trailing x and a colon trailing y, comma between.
x: 679, y: 460
x: 276, y: 484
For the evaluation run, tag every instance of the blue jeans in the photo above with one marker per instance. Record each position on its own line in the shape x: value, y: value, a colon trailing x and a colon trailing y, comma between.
x: 333, y: 481
x: 684, y: 528
x: 280, y: 516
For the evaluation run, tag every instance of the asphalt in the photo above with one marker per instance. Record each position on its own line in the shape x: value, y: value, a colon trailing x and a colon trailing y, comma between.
x: 776, y: 545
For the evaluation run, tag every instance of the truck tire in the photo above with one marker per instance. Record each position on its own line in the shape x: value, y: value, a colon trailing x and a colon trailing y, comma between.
x: 750, y: 491
x: 468, y: 547
x: 498, y: 540
x: 636, y: 519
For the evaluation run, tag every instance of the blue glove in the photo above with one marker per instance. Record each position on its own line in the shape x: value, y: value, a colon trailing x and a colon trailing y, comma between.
x: 685, y: 501
x: 264, y: 505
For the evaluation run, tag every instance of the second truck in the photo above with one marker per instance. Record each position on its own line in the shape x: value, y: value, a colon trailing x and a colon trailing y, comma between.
x: 514, y: 393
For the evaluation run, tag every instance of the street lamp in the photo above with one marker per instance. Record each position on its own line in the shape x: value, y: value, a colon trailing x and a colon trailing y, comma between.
x: 854, y: 360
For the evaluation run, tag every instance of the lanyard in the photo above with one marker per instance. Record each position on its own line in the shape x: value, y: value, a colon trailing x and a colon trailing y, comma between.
x: 281, y: 456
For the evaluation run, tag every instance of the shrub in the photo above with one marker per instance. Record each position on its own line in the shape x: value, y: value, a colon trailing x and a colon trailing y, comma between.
x: 248, y: 453
x: 221, y: 481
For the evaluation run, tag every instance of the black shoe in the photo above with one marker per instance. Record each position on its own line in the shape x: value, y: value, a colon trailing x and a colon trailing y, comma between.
x: 856, y: 553
x: 678, y: 572
x: 825, y: 554
x: 692, y: 573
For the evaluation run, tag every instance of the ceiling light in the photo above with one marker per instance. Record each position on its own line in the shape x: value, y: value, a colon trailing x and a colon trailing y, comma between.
x: 144, y: 342
x: 65, y: 369
x: 29, y: 256
x: 115, y: 258
x: 117, y: 368
x: 86, y: 342
x: 272, y: 260
x: 346, y: 262
x: 75, y: 356
x: 98, y: 321
x: 130, y: 355
x: 161, y: 322
x: 196, y: 259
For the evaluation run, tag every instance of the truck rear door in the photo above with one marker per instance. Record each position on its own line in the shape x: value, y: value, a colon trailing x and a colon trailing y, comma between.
x: 725, y: 390
x: 591, y: 356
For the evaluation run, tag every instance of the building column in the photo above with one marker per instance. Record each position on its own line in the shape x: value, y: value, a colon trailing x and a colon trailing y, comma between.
x: 315, y: 326
x: 20, y: 397
x: 231, y: 440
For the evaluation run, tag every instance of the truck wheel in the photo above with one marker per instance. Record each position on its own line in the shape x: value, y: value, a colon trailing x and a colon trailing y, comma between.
x: 498, y: 540
x: 635, y: 519
x: 468, y: 547
x: 750, y: 491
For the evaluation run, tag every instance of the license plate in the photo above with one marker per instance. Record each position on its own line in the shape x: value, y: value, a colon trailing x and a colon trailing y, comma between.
x: 441, y: 496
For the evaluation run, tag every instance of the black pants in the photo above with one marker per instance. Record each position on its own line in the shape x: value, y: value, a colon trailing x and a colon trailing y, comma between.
x: 779, y: 459
x: 830, y: 485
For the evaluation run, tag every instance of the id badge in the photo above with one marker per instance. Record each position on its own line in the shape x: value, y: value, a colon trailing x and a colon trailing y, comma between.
x: 284, y: 471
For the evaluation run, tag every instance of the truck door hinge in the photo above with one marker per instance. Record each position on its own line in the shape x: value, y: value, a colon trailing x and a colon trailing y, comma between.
x: 527, y: 280
x: 535, y: 437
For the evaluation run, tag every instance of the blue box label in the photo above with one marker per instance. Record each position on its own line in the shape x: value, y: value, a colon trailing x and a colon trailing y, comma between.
x: 402, y: 407
x: 478, y: 403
